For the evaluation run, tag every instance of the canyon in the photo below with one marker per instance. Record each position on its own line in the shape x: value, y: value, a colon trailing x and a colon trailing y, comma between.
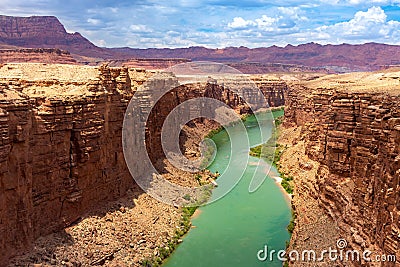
x: 67, y: 197
x: 63, y: 169
x: 62, y: 160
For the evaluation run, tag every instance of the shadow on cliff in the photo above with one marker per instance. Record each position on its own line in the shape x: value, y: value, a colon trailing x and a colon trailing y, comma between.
x: 94, y: 226
x: 126, y: 201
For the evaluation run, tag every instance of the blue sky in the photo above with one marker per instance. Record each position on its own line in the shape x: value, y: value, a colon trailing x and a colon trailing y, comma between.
x: 220, y: 23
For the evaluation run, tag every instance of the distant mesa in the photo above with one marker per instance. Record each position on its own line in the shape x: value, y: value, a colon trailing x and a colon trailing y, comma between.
x: 36, y: 55
x: 43, y: 32
x: 48, y: 32
x: 148, y: 63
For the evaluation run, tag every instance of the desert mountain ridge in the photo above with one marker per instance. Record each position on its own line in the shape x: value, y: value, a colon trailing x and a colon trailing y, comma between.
x: 49, y: 32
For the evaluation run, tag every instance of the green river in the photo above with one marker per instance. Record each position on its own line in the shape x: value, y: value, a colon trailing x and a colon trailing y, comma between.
x: 231, y: 230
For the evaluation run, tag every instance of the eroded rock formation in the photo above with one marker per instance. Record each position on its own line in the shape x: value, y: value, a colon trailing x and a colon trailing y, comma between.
x: 148, y: 63
x: 38, y: 55
x: 351, y: 130
x: 273, y: 91
x: 44, y: 32
x: 61, y: 149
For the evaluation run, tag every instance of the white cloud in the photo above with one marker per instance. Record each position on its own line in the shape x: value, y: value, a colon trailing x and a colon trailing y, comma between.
x: 373, y: 2
x: 218, y: 23
x: 360, y: 2
x: 240, y: 23
x: 114, y: 9
x: 374, y: 14
x: 284, y: 20
x: 101, y: 42
x: 369, y: 25
x: 93, y: 21
x: 139, y: 28
x: 292, y: 12
x: 267, y: 23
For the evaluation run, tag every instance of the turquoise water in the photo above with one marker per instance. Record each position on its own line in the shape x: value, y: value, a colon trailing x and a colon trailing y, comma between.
x: 230, y: 231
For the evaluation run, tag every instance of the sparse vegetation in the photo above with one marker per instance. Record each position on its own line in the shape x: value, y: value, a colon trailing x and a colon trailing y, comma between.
x: 208, y: 154
x: 147, y: 263
x: 214, y: 132
x: 292, y: 224
x: 271, y: 151
x: 286, y: 183
x: 164, y: 252
x: 198, y: 178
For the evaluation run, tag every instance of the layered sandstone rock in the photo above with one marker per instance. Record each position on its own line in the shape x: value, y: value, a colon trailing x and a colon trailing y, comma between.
x: 273, y: 88
x: 351, y: 129
x: 261, y: 68
x: 44, y: 32
x: 149, y: 63
x: 38, y: 55
x: 61, y: 149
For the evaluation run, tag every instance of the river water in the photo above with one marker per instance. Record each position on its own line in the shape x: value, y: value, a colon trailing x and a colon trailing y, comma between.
x: 230, y: 231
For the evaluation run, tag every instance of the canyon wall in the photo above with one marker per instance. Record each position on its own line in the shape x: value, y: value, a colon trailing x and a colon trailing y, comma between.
x: 61, y: 149
x: 60, y: 152
x: 351, y: 129
x: 44, y: 32
x: 148, y: 63
x: 261, y: 68
x: 273, y: 91
x: 37, y: 55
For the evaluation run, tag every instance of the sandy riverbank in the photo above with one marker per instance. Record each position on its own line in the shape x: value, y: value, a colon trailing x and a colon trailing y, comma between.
x: 278, y: 180
x: 196, y: 213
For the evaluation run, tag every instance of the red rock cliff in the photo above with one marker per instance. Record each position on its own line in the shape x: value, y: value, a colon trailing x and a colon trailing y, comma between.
x: 61, y: 148
x: 38, y: 55
x: 43, y: 32
x: 351, y: 126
